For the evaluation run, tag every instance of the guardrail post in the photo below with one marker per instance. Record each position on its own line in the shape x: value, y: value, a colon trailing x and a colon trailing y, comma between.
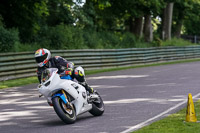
x: 195, y: 39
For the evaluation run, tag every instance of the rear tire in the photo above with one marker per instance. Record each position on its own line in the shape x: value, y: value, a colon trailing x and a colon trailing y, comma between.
x: 97, y: 108
x: 67, y: 115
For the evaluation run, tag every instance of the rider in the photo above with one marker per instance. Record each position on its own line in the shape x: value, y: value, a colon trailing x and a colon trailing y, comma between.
x: 44, y: 60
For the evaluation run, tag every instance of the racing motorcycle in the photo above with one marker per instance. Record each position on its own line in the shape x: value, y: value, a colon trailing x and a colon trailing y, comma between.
x: 68, y: 98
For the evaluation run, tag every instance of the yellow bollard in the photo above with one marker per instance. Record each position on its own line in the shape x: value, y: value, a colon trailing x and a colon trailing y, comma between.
x: 190, y: 113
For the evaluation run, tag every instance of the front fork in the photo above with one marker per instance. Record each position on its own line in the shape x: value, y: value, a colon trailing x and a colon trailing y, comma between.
x: 67, y: 103
x: 62, y: 96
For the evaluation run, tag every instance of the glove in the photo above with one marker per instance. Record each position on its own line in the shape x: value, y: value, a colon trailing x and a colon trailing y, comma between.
x: 69, y: 71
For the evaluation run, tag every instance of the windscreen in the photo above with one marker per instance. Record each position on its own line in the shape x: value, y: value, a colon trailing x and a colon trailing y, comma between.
x: 47, y: 73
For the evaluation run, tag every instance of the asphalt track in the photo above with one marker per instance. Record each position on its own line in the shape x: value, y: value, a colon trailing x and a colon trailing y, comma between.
x: 131, y: 97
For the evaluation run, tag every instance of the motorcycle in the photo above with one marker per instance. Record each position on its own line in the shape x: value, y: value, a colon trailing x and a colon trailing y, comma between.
x: 68, y: 98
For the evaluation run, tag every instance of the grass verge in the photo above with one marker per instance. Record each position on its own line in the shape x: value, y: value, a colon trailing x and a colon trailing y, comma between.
x: 18, y: 82
x: 174, y: 123
x: 25, y: 81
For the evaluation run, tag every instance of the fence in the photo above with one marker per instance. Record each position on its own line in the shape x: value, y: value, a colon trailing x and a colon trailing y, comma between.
x: 20, y: 65
x: 193, y: 39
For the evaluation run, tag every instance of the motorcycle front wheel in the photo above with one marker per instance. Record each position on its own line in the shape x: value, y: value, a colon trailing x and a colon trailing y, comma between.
x: 65, y: 112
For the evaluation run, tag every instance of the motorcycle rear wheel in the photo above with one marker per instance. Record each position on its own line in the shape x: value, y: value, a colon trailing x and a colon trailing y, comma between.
x: 97, y: 107
x: 67, y: 115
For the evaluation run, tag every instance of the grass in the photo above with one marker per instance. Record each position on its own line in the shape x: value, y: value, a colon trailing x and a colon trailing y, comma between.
x: 25, y: 81
x: 18, y: 82
x: 176, y: 42
x: 174, y: 123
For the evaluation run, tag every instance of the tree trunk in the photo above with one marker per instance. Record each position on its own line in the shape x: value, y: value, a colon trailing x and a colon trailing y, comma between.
x: 167, y: 22
x: 136, y: 26
x: 148, y: 30
x: 179, y: 24
x: 131, y: 25
x: 178, y: 28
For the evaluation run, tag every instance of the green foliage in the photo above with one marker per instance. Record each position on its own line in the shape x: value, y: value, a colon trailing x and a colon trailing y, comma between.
x: 19, y: 47
x: 192, y: 28
x: 8, y: 38
x: 61, y: 24
x: 176, y: 42
x: 64, y: 37
x: 109, y: 40
x: 72, y: 37
x: 191, y: 23
x: 1, y: 21
x: 59, y: 12
x: 128, y: 40
x: 157, y: 42
x: 26, y: 15
x: 58, y: 36
x: 187, y: 12
x: 91, y: 39
x: 85, y: 15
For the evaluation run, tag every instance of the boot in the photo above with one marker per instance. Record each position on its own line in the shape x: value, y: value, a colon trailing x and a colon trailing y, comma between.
x: 88, y: 88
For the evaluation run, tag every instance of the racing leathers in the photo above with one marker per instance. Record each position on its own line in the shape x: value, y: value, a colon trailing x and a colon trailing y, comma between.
x: 65, y: 68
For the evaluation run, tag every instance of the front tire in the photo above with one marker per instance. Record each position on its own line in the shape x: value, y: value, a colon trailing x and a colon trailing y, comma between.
x: 97, y: 106
x: 67, y: 115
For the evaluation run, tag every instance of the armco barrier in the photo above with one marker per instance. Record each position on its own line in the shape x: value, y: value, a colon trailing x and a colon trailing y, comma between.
x: 20, y: 65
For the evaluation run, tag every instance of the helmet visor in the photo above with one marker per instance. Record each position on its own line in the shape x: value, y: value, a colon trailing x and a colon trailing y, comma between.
x: 41, y: 58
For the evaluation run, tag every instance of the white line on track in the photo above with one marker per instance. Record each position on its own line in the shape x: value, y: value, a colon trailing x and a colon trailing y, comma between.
x: 145, y: 123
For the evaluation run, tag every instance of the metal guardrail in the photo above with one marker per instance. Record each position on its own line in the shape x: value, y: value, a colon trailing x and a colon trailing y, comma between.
x: 191, y: 38
x: 20, y: 65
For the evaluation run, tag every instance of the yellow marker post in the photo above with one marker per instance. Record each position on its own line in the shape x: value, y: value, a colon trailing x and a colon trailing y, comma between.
x: 190, y: 113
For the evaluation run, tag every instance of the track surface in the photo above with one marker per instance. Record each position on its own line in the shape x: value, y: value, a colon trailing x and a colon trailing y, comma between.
x: 131, y: 97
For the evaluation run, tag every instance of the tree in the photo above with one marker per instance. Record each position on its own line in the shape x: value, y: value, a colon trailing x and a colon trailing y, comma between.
x: 186, y: 13
x: 148, y: 30
x: 134, y: 13
x: 85, y: 15
x: 151, y: 10
x: 167, y: 21
x: 25, y: 15
x: 60, y: 11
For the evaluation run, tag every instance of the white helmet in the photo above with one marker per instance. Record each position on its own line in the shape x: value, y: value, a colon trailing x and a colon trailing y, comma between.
x: 42, y: 56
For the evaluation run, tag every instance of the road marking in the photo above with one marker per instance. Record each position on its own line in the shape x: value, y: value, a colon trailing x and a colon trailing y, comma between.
x: 118, y: 77
x: 145, y: 123
x: 152, y: 100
